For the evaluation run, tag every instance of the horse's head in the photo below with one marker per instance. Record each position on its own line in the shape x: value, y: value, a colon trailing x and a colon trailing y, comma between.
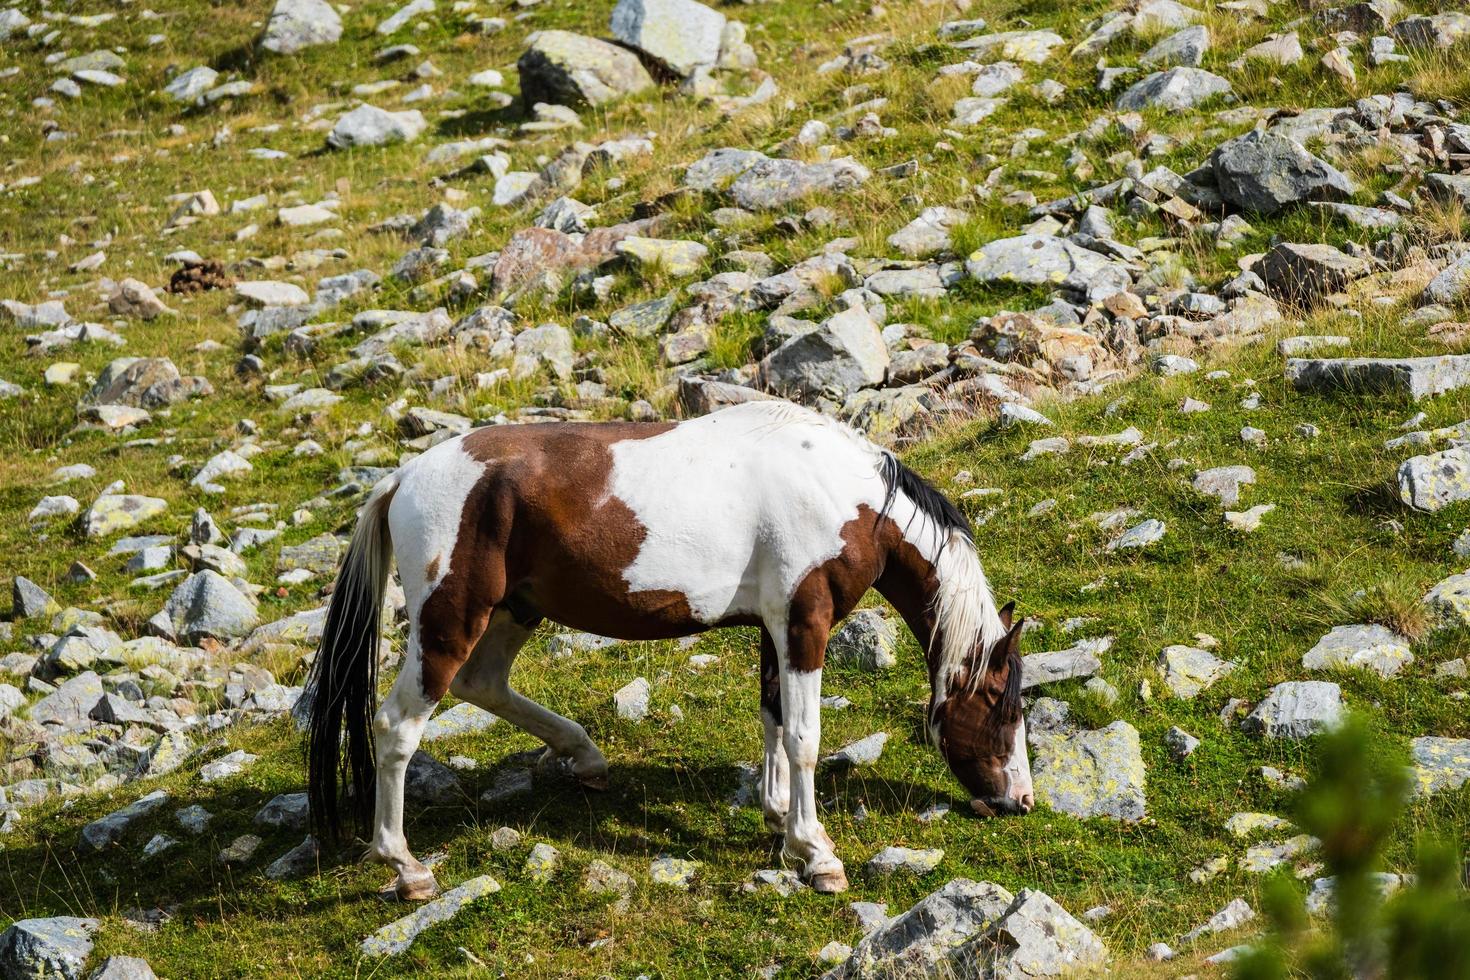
x: 980, y: 729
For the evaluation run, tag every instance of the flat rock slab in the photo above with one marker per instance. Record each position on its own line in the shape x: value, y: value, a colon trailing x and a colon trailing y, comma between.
x: 103, y: 832
x: 1096, y: 773
x: 1367, y: 646
x: 1417, y: 377
x: 396, y: 937
x: 1081, y: 660
x: 462, y: 719
x: 1296, y: 709
x: 915, y: 942
x: 1440, y: 763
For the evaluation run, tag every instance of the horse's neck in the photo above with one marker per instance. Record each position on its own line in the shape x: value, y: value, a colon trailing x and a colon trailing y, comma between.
x: 911, y: 586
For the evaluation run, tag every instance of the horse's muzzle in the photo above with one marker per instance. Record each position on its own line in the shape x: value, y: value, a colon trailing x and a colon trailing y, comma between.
x: 1001, y: 806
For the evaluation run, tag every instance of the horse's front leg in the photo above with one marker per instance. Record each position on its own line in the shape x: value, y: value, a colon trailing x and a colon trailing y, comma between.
x: 775, y: 773
x: 801, y: 703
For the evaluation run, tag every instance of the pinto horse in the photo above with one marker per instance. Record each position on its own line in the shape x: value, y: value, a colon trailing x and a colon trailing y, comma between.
x: 763, y: 514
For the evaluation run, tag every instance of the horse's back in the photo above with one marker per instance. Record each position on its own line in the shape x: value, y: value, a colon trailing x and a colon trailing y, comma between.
x: 728, y: 510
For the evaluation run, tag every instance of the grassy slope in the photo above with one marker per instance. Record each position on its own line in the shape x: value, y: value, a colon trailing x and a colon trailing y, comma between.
x: 672, y: 781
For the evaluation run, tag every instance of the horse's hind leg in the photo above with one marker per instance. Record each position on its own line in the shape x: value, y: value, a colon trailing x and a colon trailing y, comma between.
x: 484, y: 680
x: 775, y: 775
x: 397, y: 729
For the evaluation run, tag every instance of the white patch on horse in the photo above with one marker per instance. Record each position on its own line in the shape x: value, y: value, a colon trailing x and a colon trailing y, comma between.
x: 741, y: 504
x: 425, y: 515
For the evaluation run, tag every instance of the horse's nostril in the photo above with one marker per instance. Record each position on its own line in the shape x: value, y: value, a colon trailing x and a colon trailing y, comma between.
x: 1028, y: 802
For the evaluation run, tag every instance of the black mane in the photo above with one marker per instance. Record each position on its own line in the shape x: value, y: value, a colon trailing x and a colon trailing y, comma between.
x: 931, y: 503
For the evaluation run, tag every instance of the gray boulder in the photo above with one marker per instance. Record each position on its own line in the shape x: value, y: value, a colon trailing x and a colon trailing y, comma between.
x: 207, y: 605
x: 71, y: 703
x: 1034, y: 937
x: 1296, y: 709
x: 1264, y: 173
x: 1188, y: 670
x: 919, y: 940
x: 1436, y: 480
x: 563, y: 68
x: 770, y: 184
x: 845, y: 353
x: 298, y: 24
x: 1177, y: 88
x: 54, y: 947
x: 1360, y: 646
x: 29, y: 601
x: 1224, y: 482
x: 680, y: 34
x: 1304, y: 273
x: 1045, y: 260
x: 1186, y: 47
x: 367, y: 125
x: 123, y: 968
x: 868, y: 640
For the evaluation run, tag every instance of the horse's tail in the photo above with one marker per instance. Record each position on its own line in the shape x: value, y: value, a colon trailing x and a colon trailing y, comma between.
x: 343, y: 682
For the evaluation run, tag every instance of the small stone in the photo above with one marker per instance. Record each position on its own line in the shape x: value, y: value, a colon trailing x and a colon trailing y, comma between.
x: 892, y: 860
x: 1296, y: 709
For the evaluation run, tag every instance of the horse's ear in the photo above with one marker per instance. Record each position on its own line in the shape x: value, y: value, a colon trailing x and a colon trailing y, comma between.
x: 1006, y: 611
x: 1001, y: 653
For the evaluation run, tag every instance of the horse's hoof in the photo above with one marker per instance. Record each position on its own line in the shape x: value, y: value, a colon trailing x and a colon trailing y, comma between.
x: 596, y: 782
x: 830, y: 882
x: 418, y: 890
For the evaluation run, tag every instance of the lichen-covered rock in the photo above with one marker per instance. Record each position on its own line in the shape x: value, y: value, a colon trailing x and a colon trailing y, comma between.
x: 1263, y: 173
x: 673, y: 872
x: 1189, y: 670
x: 1305, y: 273
x: 892, y: 860
x: 1096, y: 773
x: 1224, y: 483
x: 1045, y: 260
x: 397, y: 936
x: 53, y: 947
x: 1296, y: 709
x: 1364, y: 646
x: 1440, y: 763
x: 1449, y: 601
x: 1436, y: 480
x: 867, y: 639
x: 206, y: 604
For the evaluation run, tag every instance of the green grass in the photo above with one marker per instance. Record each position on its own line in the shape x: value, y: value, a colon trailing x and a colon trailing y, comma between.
x: 672, y: 781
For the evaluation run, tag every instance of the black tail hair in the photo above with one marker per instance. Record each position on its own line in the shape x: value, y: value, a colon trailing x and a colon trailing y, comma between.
x: 343, y: 682
x: 930, y: 502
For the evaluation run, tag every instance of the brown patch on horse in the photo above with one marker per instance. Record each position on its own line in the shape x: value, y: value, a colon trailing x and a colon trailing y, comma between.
x: 833, y: 589
x: 432, y: 571
x: 539, y: 526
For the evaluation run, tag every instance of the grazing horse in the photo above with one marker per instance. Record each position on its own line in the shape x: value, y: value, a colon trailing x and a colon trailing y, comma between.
x: 763, y: 514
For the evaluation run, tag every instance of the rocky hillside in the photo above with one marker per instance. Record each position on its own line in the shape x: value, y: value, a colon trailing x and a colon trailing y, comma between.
x: 1168, y: 296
